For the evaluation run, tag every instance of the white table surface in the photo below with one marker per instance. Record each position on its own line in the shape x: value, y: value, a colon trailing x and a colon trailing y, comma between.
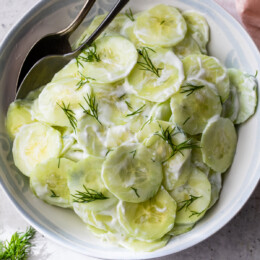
x: 239, y: 239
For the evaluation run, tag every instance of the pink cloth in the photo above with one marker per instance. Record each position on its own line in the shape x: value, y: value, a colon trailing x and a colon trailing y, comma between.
x: 247, y: 12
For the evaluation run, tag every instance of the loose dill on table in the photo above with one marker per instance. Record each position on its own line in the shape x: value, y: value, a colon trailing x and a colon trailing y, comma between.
x: 93, y: 106
x: 189, y: 88
x: 18, y: 248
x: 88, y: 195
x: 136, y: 192
x: 186, y: 203
x: 147, y: 64
x: 167, y: 136
x: 83, y: 80
x: 129, y: 14
x: 70, y: 115
x: 138, y: 111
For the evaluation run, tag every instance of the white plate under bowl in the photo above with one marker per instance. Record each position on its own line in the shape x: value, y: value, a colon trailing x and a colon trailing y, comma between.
x: 229, y: 42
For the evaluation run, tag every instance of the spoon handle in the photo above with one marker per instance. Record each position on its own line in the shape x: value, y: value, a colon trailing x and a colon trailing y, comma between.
x: 108, y: 19
x: 78, y: 20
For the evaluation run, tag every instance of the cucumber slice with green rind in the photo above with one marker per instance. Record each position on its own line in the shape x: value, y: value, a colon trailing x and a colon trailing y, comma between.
x: 193, y: 198
x: 180, y: 229
x: 86, y: 176
x: 161, y: 25
x: 198, y: 27
x: 246, y: 86
x: 57, y: 96
x: 192, y: 110
x: 35, y: 143
x: 153, y: 87
x: 117, y: 58
x: 151, y: 219
x: 215, y: 179
x: 207, y: 68
x: 186, y: 47
x: 129, y: 173
x: 18, y: 114
x: 48, y: 181
x: 231, y: 107
x: 218, y: 144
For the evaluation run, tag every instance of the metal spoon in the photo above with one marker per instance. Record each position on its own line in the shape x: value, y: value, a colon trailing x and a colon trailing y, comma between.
x: 43, y: 71
x: 54, y: 43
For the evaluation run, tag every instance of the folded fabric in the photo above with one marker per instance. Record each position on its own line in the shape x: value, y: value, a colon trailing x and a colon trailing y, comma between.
x: 249, y: 10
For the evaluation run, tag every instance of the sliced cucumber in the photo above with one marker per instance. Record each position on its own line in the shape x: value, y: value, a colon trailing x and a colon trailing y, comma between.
x: 152, y: 86
x: 197, y: 160
x: 246, y: 86
x: 148, y: 220
x: 144, y: 246
x: 86, y: 177
x: 18, y: 114
x: 130, y: 175
x: 191, y: 110
x: 35, y: 143
x: 118, y: 135
x: 161, y: 111
x: 56, y: 97
x: 165, y: 140
x: 215, y: 179
x: 180, y: 229
x: 69, y: 71
x: 230, y: 108
x: 209, y: 69
x: 186, y: 47
x: 193, y: 198
x: 91, y: 136
x: 48, y: 181
x: 117, y: 58
x: 161, y: 25
x: 198, y: 27
x: 218, y: 144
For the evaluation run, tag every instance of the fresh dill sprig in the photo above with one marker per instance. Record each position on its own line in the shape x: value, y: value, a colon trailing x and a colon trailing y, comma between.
x: 186, y: 203
x: 190, y: 88
x: 122, y: 96
x: 83, y: 80
x: 136, y: 192
x: 186, y: 120
x: 93, y: 106
x: 147, y: 122
x: 88, y: 195
x: 133, y: 153
x: 138, y: 111
x: 78, y: 62
x: 19, y: 246
x: 128, y: 105
x: 167, y: 135
x: 256, y: 73
x: 53, y: 194
x: 162, y: 22
x: 108, y: 151
x: 90, y: 54
x: 59, y: 163
x: 147, y: 64
x: 70, y: 115
x: 195, y: 213
x: 129, y: 14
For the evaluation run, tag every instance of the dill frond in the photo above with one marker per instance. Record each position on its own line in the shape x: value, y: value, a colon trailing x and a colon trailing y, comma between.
x: 129, y: 14
x: 88, y: 195
x: 147, y: 63
x: 70, y: 115
x: 190, y: 88
x: 138, y: 111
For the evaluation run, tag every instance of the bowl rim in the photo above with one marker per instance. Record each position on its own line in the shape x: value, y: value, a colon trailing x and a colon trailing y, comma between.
x: 236, y: 207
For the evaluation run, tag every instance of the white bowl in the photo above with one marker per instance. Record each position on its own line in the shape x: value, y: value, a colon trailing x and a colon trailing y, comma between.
x: 229, y: 42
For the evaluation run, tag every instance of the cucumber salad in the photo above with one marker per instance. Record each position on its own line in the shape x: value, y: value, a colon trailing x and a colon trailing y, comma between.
x: 135, y: 133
